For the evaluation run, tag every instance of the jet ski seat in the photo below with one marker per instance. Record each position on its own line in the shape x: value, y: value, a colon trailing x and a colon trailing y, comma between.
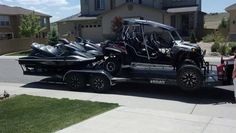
x: 46, y: 49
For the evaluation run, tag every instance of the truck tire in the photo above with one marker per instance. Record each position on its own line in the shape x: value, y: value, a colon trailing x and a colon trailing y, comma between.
x: 189, y: 78
x: 99, y: 83
x: 112, y: 66
x: 75, y: 81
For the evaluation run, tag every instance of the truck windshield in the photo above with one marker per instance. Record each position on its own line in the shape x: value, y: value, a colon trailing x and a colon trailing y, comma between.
x: 176, y: 36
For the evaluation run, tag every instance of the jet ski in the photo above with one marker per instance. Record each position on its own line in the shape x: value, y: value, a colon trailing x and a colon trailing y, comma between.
x: 85, y: 46
x: 47, y: 60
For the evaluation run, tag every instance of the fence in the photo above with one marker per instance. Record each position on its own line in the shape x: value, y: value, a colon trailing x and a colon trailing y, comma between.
x: 18, y: 44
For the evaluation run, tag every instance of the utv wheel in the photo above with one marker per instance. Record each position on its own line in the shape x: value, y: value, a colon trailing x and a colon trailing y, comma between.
x: 112, y: 65
x: 100, y: 83
x: 189, y: 78
x: 75, y: 81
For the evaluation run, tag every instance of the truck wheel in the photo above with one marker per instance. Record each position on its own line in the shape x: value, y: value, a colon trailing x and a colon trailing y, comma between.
x: 100, y: 83
x: 112, y: 65
x: 189, y: 78
x: 75, y: 81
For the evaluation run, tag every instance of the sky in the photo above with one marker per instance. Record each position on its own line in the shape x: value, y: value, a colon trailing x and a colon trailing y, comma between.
x: 60, y: 9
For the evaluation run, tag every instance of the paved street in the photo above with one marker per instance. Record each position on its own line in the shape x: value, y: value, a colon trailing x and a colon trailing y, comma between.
x: 11, y: 72
x: 152, y: 108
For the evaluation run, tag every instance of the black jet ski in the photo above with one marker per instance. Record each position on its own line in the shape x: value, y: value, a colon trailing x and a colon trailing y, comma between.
x: 85, y: 46
x: 48, y: 60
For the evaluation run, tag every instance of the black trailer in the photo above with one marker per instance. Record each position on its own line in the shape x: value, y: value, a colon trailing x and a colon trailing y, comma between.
x: 188, y: 78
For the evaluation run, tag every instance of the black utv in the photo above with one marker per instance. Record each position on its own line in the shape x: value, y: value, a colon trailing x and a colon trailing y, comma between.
x: 149, y: 42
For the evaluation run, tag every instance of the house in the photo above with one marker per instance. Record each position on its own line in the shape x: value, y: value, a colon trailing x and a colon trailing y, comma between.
x: 232, y: 22
x: 212, y: 21
x: 10, y: 21
x: 95, y: 20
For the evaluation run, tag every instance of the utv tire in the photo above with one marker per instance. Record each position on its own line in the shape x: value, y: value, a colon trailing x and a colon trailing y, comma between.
x: 189, y: 78
x: 75, y: 81
x: 112, y: 66
x: 99, y: 83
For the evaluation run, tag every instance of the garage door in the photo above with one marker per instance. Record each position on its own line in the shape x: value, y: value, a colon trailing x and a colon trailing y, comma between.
x: 92, y: 32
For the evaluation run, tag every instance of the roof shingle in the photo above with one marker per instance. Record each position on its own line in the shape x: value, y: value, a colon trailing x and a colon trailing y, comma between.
x: 8, y: 10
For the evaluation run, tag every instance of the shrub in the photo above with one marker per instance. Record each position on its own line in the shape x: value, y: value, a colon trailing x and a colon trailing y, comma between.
x: 208, y: 38
x: 117, y: 24
x: 193, y: 38
x: 53, y: 37
x: 214, y: 37
x: 231, y: 45
x: 215, y: 47
x: 224, y: 49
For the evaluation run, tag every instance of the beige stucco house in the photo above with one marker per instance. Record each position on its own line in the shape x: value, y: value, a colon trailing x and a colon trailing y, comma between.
x: 95, y: 20
x: 232, y: 22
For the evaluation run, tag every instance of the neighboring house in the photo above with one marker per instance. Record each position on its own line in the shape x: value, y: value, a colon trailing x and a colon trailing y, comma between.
x: 10, y: 21
x: 213, y: 20
x: 95, y: 20
x: 232, y: 22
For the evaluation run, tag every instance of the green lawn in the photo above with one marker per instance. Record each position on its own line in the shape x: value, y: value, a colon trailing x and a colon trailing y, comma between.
x: 21, y: 53
x: 30, y: 114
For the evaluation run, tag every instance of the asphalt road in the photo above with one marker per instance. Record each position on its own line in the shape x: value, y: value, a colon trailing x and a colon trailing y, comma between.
x: 11, y: 72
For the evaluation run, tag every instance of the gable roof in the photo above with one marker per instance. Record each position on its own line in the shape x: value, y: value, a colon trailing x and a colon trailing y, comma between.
x: 8, y: 10
x: 232, y: 7
x: 76, y: 17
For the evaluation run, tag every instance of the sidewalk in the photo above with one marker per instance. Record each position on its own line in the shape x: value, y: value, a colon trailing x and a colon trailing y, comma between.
x: 143, y: 114
x: 133, y: 120
x: 10, y: 57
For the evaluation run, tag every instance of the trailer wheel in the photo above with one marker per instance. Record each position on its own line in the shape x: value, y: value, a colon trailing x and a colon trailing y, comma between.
x: 100, y: 83
x: 75, y: 81
x: 112, y: 65
x: 189, y: 78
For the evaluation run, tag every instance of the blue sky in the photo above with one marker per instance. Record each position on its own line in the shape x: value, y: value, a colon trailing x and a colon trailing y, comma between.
x: 62, y: 8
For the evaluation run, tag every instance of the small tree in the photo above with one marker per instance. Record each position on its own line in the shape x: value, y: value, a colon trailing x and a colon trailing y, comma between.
x: 53, y: 37
x: 223, y: 24
x: 29, y: 25
x: 117, y: 24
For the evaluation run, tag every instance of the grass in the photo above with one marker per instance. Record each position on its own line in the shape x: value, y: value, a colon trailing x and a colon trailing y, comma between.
x: 30, y: 114
x: 21, y: 53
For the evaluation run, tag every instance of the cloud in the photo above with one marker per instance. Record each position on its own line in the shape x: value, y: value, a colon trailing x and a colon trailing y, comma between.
x: 38, y: 2
x: 76, y: 7
x: 37, y: 9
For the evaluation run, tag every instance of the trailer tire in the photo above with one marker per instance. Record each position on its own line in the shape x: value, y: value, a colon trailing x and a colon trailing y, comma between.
x: 189, y: 78
x: 112, y: 66
x: 75, y: 81
x: 99, y: 83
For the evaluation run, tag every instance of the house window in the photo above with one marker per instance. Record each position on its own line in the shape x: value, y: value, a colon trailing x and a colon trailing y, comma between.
x: 129, y: 1
x: 140, y: 2
x: 4, y: 21
x: 176, y: 0
x: 113, y: 3
x: 100, y: 4
x: 45, y: 21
